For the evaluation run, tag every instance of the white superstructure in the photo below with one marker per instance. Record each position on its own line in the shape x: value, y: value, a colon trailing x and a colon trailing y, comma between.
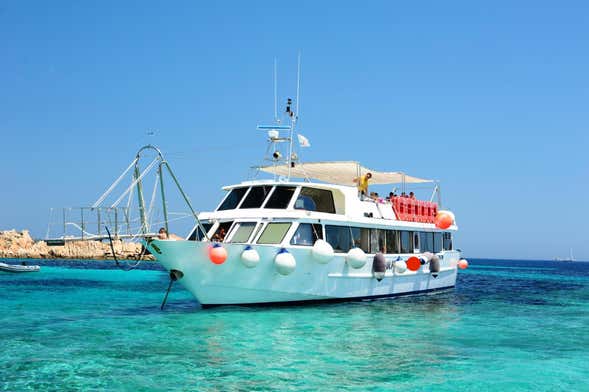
x: 258, y: 221
x: 281, y: 240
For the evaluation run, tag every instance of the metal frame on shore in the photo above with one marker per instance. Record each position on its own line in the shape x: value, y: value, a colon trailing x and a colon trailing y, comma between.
x: 119, y: 217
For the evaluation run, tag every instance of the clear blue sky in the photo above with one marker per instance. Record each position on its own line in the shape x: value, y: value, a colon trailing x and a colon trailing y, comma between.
x: 491, y: 98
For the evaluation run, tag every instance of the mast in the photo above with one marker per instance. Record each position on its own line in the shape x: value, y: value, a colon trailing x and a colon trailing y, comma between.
x: 274, y: 152
x: 293, y: 116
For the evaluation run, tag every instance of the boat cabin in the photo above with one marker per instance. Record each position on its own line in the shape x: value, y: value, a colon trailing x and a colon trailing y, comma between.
x: 298, y: 213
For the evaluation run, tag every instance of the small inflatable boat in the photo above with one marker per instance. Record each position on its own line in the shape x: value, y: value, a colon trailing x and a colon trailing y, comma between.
x: 18, y: 268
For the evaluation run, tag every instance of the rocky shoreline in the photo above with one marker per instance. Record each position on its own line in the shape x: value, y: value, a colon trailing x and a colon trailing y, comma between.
x: 19, y: 244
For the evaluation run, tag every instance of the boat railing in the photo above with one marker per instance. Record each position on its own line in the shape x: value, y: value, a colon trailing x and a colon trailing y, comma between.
x: 413, y: 210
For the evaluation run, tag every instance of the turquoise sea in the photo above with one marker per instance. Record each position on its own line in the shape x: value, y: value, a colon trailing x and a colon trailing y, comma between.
x: 508, y: 325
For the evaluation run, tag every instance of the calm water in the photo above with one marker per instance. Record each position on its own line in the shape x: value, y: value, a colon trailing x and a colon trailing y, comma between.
x: 509, y: 325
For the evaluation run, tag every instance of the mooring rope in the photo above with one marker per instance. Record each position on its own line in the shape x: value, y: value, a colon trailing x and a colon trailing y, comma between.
x: 114, y: 254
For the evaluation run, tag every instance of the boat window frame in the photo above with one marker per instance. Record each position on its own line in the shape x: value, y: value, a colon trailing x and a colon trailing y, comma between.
x: 396, y: 238
x: 358, y: 242
x: 216, y: 227
x: 320, y: 236
x: 197, y: 228
x: 440, y: 235
x: 297, y: 194
x: 411, y: 245
x: 274, y: 188
x: 287, y: 233
x: 417, y: 243
x: 340, y: 227
x: 251, y: 187
x: 227, y: 195
x: 447, y: 239
x: 235, y: 227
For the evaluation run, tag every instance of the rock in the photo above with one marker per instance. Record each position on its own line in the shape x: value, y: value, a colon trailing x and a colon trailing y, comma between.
x: 21, y: 245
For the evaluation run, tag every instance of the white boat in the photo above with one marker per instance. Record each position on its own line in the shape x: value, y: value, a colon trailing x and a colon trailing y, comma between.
x: 569, y: 259
x: 306, y: 235
x: 18, y: 268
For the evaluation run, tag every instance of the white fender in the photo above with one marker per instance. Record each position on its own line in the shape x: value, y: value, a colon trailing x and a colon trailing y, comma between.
x: 400, y: 266
x: 250, y: 257
x: 322, y: 252
x: 356, y: 258
x: 285, y: 262
x: 425, y: 257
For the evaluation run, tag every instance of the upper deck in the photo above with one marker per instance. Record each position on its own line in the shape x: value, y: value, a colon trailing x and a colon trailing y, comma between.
x: 296, y: 200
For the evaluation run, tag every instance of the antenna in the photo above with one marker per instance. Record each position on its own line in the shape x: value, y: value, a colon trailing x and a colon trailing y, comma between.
x: 298, y: 81
x: 276, y: 91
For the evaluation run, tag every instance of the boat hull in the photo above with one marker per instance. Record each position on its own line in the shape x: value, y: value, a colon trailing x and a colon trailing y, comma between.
x: 233, y: 283
x: 14, y: 268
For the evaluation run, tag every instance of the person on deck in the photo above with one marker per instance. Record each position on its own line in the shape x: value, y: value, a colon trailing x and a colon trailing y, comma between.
x: 362, y: 182
x: 412, y: 195
x: 162, y: 234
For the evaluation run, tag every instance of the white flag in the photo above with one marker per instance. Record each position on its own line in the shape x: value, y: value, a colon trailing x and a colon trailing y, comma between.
x: 303, y: 141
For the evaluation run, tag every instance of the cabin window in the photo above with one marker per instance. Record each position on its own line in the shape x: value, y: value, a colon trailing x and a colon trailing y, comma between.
x: 313, y: 199
x: 361, y: 238
x: 392, y: 237
x: 423, y: 242
x: 242, y: 232
x: 447, y: 241
x: 406, y: 242
x: 377, y: 241
x: 307, y: 234
x: 274, y: 233
x: 437, y: 242
x: 232, y: 200
x: 256, y: 197
x: 280, y: 197
x: 427, y: 241
x: 197, y: 234
x: 418, y: 244
x: 339, y: 237
x: 221, y: 232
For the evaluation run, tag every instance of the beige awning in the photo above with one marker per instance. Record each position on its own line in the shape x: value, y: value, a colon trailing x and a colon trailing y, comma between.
x: 341, y: 173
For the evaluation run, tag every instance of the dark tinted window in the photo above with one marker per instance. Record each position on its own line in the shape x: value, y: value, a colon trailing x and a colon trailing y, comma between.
x: 427, y: 242
x: 377, y: 241
x: 232, y: 199
x: 307, y: 234
x: 392, y: 241
x: 361, y: 238
x: 255, y: 197
x: 221, y: 232
x: 417, y: 243
x: 437, y: 242
x: 312, y: 199
x: 280, y: 197
x: 447, y: 241
x: 406, y: 242
x: 339, y: 238
x: 197, y: 233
